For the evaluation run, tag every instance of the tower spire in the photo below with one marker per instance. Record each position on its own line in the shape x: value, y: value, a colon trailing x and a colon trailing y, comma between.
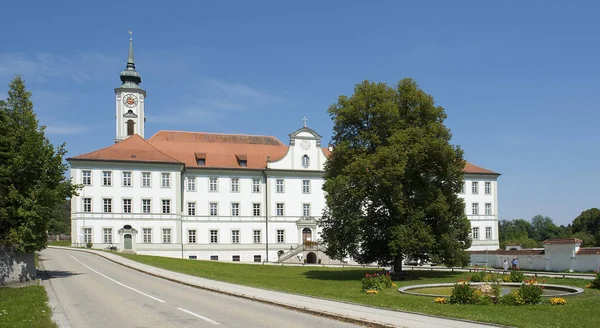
x: 130, y: 77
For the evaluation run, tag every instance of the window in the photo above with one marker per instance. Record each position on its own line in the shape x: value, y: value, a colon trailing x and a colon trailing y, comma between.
x: 201, y: 161
x: 166, y: 236
x: 256, y: 236
x: 106, y: 178
x: 235, y: 185
x: 488, y: 188
x: 147, y: 233
x: 191, y: 184
x: 279, y: 209
x: 107, y: 235
x: 191, y: 208
x: 255, y: 185
x: 279, y: 186
x: 235, y: 236
x: 462, y: 188
x: 475, y: 187
x: 126, y: 205
x: 214, y: 236
x: 166, y: 206
x: 305, y: 209
x: 488, y: 209
x: 280, y: 236
x: 305, y: 161
x: 126, y: 179
x: 212, y: 184
x: 87, y: 205
x: 165, y: 180
x: 235, y: 258
x: 86, y: 178
x: 213, y: 209
x: 214, y: 257
x: 256, y: 209
x: 107, y: 205
x: 257, y: 258
x: 146, y: 179
x: 475, y: 233
x: 488, y: 232
x: 306, y: 186
x: 130, y: 125
x: 146, y: 208
x: 191, y: 236
x: 235, y: 209
x: 475, y: 209
x: 87, y: 235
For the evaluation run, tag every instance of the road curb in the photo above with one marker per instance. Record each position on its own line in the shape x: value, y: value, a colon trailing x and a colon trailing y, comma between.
x: 360, y: 321
x: 58, y: 313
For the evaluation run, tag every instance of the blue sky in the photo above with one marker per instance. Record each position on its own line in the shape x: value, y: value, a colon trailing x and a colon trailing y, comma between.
x: 519, y: 80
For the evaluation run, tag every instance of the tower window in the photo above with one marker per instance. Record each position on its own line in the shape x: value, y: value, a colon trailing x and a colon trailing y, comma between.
x: 305, y: 161
x: 130, y: 125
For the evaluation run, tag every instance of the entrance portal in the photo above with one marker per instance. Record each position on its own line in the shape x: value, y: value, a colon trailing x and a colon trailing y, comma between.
x: 306, y: 235
x: 127, y: 241
x: 311, y: 258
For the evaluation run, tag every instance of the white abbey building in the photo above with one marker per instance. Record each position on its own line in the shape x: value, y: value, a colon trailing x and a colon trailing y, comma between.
x: 222, y: 197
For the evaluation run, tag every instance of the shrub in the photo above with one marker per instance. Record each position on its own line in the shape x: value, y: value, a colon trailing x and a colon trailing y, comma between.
x: 88, y: 245
x: 462, y: 293
x: 531, y: 292
x: 376, y: 281
x: 596, y: 282
x: 512, y: 299
x: 516, y: 276
x: 558, y: 301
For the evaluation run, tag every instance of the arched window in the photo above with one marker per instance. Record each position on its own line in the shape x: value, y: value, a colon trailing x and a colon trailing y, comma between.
x: 305, y: 161
x: 130, y: 125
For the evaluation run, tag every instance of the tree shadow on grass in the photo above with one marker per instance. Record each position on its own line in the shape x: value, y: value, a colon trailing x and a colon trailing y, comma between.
x: 357, y: 274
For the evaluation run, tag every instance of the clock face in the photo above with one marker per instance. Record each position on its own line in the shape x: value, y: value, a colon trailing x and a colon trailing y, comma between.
x: 130, y: 100
x: 305, y: 144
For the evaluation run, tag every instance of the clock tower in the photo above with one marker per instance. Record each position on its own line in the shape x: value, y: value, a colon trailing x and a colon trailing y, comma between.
x: 130, y: 99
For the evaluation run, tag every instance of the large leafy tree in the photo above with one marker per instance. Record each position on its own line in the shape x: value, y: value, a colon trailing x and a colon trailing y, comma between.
x: 586, y: 225
x: 32, y: 181
x: 392, y: 179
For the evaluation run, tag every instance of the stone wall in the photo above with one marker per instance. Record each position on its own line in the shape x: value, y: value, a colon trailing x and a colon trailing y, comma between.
x: 557, y: 255
x: 16, y: 267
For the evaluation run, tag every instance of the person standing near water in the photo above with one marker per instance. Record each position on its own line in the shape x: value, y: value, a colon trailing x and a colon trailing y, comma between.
x: 505, y: 265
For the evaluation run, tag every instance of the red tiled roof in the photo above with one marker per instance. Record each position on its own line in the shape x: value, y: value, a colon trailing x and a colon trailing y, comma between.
x: 132, y: 149
x: 588, y: 251
x: 471, y: 168
x: 217, y: 150
x: 561, y: 241
x: 220, y: 150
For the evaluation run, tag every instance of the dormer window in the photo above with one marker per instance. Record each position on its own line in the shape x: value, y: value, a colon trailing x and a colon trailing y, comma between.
x: 201, y: 159
x: 305, y: 161
x: 242, y: 160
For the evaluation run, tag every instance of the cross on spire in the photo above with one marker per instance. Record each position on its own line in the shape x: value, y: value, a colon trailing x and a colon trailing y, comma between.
x: 304, y: 120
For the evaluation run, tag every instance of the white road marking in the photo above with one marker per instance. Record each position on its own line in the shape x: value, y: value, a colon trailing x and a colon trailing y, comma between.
x: 197, y: 315
x: 119, y: 283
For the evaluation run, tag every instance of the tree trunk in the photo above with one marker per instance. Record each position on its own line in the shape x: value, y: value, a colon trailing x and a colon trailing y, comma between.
x: 398, y: 263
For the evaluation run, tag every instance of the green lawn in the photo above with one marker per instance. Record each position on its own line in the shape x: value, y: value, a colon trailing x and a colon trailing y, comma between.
x: 344, y: 284
x: 25, y: 307
x: 60, y: 243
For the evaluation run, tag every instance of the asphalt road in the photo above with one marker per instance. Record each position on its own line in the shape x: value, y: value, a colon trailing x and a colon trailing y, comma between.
x: 95, y: 292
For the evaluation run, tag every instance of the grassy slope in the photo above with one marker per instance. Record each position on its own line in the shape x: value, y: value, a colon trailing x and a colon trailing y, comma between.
x: 25, y: 307
x: 344, y: 284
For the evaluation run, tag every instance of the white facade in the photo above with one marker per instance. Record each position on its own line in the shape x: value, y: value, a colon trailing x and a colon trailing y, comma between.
x: 480, y: 195
x: 147, y: 197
